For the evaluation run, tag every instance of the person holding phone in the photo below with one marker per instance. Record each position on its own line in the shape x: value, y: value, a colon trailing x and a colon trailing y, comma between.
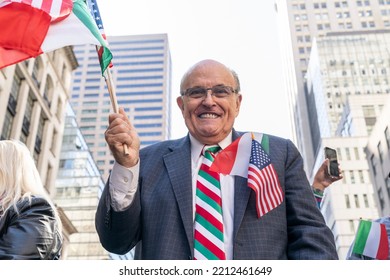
x: 328, y: 173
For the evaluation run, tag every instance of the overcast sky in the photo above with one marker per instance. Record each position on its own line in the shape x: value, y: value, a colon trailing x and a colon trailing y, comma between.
x: 239, y: 33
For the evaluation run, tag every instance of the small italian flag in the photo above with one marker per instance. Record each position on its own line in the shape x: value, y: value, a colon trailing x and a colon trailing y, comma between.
x: 371, y: 240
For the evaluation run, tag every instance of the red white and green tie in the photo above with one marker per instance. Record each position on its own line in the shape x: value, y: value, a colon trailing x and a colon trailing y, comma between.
x: 209, y: 241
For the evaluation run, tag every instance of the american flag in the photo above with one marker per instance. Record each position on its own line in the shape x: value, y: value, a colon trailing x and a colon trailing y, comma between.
x: 96, y: 16
x: 262, y: 178
x: 57, y: 9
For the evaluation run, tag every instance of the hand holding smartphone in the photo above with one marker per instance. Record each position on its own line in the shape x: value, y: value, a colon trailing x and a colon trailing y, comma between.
x: 333, y: 165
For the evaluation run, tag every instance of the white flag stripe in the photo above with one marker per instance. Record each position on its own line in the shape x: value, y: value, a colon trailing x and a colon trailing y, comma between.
x: 372, y: 245
x: 242, y: 155
x: 37, y: 3
x: 210, y: 186
x: 210, y: 236
x: 56, y: 7
x: 58, y: 34
x: 210, y: 209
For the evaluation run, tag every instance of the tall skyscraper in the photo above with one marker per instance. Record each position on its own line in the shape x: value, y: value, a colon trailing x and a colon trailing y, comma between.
x: 142, y: 76
x: 301, y: 21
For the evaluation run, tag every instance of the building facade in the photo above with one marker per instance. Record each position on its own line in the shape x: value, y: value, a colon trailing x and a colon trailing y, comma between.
x: 33, y: 96
x: 142, y: 77
x: 378, y: 155
x: 347, y: 85
x: 78, y: 186
x: 300, y: 22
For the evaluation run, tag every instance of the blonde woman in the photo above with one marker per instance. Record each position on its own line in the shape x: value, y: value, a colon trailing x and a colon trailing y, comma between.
x: 29, y: 224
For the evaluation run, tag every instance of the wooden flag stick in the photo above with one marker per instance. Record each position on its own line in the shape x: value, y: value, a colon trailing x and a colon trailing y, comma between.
x: 114, y: 101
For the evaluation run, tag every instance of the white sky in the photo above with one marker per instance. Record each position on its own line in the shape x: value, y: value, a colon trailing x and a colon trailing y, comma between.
x: 239, y: 33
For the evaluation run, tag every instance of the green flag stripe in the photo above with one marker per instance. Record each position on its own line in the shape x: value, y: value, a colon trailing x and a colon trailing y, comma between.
x: 265, y: 143
x: 209, y: 201
x: 210, y: 227
x: 81, y: 12
x: 361, y: 237
x: 204, y: 251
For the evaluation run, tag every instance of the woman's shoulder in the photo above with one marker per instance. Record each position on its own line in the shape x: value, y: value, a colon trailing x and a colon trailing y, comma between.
x: 35, y: 203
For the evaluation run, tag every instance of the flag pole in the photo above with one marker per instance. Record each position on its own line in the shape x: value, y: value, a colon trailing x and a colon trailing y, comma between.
x: 114, y: 102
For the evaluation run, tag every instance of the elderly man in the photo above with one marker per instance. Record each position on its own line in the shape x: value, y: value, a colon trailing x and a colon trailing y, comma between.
x: 165, y: 200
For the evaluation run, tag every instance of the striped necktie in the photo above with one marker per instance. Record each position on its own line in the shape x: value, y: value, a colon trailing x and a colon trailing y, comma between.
x: 209, y: 244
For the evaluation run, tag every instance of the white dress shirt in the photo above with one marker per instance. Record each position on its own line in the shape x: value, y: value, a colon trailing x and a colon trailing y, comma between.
x: 124, y: 182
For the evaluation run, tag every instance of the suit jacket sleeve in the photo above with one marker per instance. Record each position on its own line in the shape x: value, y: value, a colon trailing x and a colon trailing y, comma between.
x: 119, y: 231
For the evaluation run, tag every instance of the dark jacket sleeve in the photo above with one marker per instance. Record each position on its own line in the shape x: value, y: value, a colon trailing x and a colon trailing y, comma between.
x: 119, y: 231
x: 31, y: 234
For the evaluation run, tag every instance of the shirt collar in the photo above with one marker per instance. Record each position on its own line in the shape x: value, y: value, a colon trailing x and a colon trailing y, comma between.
x: 196, y: 146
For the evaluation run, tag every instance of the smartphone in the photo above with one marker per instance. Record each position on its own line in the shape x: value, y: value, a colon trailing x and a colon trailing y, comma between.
x: 333, y: 165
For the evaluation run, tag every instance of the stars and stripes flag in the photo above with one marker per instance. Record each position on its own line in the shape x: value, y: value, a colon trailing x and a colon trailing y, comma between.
x: 103, y: 53
x: 262, y: 178
x: 32, y: 27
x: 248, y: 157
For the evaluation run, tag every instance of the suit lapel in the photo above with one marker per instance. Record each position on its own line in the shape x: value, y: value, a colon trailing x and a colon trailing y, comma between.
x: 178, y: 164
x: 241, y: 196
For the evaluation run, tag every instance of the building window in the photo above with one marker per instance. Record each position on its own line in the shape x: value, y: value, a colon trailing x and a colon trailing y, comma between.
x: 351, y: 226
x: 39, y: 138
x: 361, y: 176
x: 387, y: 180
x: 352, y: 177
x: 372, y: 160
x: 347, y: 201
x: 380, y: 151
x: 348, y: 153
x: 356, y: 198
x: 7, y: 125
x: 357, y: 157
x: 365, y: 198
x: 387, y: 137
x: 36, y: 72
x: 369, y: 117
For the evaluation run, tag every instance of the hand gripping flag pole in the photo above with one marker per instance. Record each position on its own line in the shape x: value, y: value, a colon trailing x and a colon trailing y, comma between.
x: 105, y: 61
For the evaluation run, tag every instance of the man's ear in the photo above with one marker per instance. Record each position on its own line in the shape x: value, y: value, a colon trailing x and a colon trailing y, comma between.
x: 180, y: 103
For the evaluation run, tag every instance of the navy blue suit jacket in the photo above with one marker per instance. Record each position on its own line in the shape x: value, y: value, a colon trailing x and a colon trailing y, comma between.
x: 160, y: 219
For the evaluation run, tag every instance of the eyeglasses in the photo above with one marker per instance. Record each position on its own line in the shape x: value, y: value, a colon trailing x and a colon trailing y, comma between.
x: 219, y: 91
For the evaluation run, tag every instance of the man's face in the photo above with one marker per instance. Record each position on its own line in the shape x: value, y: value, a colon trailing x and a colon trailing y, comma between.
x: 209, y: 119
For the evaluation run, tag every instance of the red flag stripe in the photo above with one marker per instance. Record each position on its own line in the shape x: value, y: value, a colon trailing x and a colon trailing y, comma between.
x: 209, y: 245
x: 256, y: 176
x: 209, y: 217
x: 383, y: 250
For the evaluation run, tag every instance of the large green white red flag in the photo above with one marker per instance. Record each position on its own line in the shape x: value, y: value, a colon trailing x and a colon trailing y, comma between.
x: 371, y: 240
x: 32, y: 27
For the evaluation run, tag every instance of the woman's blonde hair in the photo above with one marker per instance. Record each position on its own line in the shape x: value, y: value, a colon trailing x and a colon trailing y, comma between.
x: 19, y: 177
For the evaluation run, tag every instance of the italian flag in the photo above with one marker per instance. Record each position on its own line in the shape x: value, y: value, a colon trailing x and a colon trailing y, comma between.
x: 371, y: 240
x: 30, y: 28
x: 234, y: 159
